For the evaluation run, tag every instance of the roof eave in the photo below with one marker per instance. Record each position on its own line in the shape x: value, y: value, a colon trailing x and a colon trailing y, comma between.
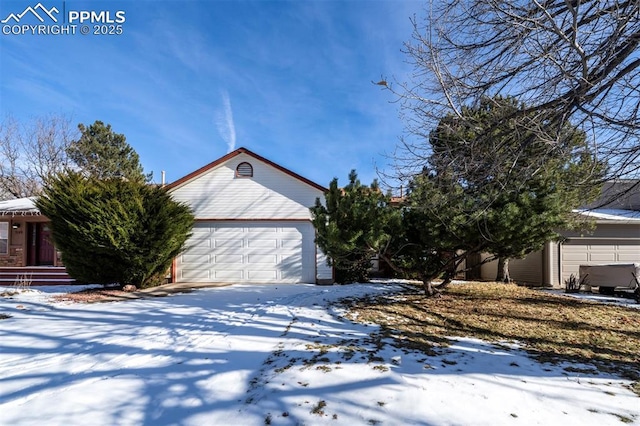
x: 183, y: 180
x: 617, y: 221
x: 20, y: 213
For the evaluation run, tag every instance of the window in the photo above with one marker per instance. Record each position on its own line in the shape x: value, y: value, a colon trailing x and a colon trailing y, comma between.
x: 4, y: 237
x: 244, y: 170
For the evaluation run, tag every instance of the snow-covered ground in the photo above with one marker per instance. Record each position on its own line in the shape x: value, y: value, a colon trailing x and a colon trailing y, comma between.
x: 600, y: 298
x: 278, y: 354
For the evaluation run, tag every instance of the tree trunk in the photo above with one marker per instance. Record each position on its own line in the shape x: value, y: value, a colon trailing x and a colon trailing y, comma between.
x: 429, y: 289
x: 503, y: 270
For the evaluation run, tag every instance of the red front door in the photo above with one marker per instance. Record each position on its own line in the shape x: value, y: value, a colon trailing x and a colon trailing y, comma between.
x: 45, y: 246
x: 41, y: 250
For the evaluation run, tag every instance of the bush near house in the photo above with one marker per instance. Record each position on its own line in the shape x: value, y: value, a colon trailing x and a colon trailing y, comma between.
x: 115, y: 230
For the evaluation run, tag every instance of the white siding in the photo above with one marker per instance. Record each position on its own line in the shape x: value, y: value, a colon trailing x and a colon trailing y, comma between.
x: 250, y: 229
x: 269, y: 194
x: 324, y: 272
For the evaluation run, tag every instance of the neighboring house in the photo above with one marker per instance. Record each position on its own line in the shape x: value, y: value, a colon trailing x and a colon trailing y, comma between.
x: 253, y: 224
x: 26, y: 251
x: 614, y: 240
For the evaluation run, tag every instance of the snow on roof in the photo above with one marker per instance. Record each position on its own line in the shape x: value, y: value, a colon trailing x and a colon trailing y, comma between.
x: 19, y: 206
x: 611, y: 214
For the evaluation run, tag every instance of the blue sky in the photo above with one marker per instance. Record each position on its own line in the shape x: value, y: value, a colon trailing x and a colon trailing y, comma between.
x: 186, y: 81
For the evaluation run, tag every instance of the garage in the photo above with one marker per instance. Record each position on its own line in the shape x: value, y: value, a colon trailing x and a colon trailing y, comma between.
x: 249, y: 252
x: 252, y: 224
x: 609, y: 234
x: 597, y: 251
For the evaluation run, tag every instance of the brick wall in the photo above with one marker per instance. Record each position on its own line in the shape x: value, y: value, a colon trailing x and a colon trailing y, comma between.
x: 15, y: 257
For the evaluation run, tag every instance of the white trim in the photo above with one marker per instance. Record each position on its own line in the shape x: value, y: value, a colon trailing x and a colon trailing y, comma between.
x: 6, y: 231
x: 610, y: 215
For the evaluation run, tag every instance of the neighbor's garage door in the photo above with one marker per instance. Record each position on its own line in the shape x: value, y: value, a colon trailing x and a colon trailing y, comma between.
x: 585, y: 251
x: 249, y: 252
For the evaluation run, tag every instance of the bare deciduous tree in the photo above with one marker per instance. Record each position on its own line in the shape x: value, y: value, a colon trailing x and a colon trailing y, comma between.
x: 571, y: 61
x: 31, y: 152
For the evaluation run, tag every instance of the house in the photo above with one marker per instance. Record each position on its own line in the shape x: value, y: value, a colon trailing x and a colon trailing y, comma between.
x: 26, y: 252
x: 253, y: 224
x: 615, y: 239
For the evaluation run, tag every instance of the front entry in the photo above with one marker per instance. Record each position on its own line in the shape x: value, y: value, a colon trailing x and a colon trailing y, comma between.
x: 41, y: 250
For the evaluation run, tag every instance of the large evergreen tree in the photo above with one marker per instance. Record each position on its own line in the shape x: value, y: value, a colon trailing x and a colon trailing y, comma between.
x: 489, y: 185
x: 522, y: 185
x: 104, y: 154
x: 115, y: 230
x: 492, y: 185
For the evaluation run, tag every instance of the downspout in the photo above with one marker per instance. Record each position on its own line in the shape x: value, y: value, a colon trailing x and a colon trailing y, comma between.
x: 560, y: 263
x: 315, y: 257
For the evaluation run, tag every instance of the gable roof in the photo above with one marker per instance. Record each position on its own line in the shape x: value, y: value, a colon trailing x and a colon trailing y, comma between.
x: 235, y: 153
x: 618, y: 194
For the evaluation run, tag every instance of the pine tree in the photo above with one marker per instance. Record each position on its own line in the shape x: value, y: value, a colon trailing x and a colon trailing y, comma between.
x: 352, y: 226
x: 520, y: 188
x: 114, y: 230
x: 104, y: 154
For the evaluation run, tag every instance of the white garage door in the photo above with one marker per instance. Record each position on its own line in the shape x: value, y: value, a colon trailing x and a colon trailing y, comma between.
x: 584, y: 251
x: 249, y: 252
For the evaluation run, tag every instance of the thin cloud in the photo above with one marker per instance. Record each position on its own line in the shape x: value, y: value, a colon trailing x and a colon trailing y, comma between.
x: 225, y: 124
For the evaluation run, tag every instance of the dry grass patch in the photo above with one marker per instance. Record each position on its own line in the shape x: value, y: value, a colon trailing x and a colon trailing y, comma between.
x: 552, y: 327
x: 92, y: 295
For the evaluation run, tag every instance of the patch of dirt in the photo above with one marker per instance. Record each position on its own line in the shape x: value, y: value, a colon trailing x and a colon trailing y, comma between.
x: 92, y: 295
x: 114, y: 294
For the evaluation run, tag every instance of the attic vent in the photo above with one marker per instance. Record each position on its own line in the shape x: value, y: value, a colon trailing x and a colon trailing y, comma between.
x: 244, y: 170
